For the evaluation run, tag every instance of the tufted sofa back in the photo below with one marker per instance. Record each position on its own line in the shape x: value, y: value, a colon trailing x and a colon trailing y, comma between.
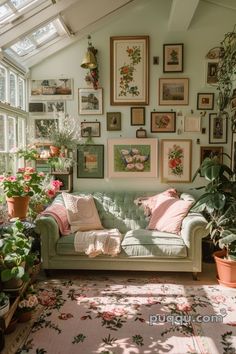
x: 117, y: 209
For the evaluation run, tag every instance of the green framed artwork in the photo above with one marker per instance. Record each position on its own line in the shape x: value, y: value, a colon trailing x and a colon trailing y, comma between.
x: 90, y: 161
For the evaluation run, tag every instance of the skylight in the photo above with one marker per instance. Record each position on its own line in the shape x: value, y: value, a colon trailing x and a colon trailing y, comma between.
x: 13, y: 8
x: 37, y: 38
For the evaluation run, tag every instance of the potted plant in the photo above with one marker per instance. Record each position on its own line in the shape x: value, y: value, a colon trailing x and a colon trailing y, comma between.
x: 26, y: 305
x: 219, y: 205
x: 15, y: 254
x: 19, y: 188
x: 4, y: 303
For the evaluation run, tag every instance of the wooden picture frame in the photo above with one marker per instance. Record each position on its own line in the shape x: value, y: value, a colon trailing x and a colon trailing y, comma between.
x: 132, y: 158
x: 113, y: 121
x: 173, y: 91
x: 176, y: 164
x: 51, y: 89
x: 233, y: 152
x: 90, y: 129
x: 233, y: 104
x: 218, y: 129
x: 90, y: 101
x: 90, y: 161
x: 173, y: 58
x: 163, y: 122
x: 205, y: 101
x: 211, y: 151
x: 129, y: 70
x: 211, y: 72
x: 141, y: 133
x: 137, y: 116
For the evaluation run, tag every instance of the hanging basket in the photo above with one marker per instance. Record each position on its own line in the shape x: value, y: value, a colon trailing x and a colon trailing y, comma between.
x: 18, y: 207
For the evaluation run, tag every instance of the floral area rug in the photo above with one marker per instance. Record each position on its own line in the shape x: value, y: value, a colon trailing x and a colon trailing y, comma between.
x: 118, y: 315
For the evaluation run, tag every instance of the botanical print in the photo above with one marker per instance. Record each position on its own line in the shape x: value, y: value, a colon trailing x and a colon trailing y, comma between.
x: 176, y: 160
x: 127, y: 71
x: 118, y: 314
x: 132, y: 158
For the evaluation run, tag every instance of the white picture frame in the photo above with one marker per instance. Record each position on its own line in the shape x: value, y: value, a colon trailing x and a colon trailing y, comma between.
x: 90, y: 101
x: 51, y: 89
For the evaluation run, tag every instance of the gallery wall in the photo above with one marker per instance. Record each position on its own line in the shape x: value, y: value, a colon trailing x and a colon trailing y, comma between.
x: 150, y: 18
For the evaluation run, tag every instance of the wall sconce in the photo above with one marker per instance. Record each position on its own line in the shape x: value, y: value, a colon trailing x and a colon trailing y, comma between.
x: 89, y: 61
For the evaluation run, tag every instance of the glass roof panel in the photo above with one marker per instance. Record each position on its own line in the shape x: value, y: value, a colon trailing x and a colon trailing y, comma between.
x: 5, y: 12
x: 45, y: 33
x: 23, y: 47
x: 22, y: 3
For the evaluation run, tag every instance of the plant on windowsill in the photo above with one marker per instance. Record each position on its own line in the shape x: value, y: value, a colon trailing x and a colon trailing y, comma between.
x: 219, y: 205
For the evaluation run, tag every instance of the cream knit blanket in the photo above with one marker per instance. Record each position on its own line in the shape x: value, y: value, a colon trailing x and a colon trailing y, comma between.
x: 97, y: 242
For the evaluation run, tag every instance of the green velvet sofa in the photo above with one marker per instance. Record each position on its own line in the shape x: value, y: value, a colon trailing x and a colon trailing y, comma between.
x: 142, y: 249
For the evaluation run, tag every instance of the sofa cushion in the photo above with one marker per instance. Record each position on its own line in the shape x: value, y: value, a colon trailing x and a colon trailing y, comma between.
x: 168, y: 214
x: 152, y: 243
x: 82, y: 213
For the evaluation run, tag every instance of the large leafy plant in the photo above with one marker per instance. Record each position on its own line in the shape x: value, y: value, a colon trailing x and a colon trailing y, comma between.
x: 218, y: 202
x: 15, y: 253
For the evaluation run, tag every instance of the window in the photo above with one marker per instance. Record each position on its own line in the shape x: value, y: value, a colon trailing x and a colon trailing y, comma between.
x: 39, y: 37
x: 13, y: 89
x: 21, y: 93
x: 3, y: 83
x: 13, y: 8
x: 2, y: 132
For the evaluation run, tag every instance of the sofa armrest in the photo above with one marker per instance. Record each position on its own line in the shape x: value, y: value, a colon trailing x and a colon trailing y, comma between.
x: 48, y: 229
x: 193, y: 225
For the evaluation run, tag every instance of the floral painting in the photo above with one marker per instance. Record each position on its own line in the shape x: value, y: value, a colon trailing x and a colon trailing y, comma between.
x: 163, y: 122
x: 176, y: 160
x: 129, y: 70
x: 132, y: 157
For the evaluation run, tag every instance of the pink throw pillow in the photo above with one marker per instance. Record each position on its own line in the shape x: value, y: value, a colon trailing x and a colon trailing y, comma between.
x: 168, y: 214
x: 150, y: 202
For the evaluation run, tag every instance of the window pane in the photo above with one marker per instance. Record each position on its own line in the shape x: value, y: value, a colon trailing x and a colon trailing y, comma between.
x: 5, y: 12
x: 21, y: 132
x: 21, y: 93
x: 3, y: 79
x: 45, y: 33
x: 23, y: 47
x: 2, y: 133
x: 11, y: 132
x: 12, y: 89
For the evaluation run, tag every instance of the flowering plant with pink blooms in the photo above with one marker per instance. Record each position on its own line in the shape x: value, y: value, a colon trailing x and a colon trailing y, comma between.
x: 26, y: 182
x: 28, y: 301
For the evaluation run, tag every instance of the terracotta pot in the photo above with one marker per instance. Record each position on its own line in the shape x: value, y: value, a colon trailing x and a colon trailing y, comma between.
x: 54, y: 150
x: 25, y: 316
x: 18, y: 206
x: 12, y: 284
x: 226, y: 269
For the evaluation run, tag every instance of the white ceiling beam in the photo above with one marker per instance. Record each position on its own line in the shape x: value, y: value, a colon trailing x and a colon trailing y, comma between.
x: 181, y: 14
x: 36, y: 20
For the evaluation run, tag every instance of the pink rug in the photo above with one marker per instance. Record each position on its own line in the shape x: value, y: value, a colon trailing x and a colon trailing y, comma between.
x: 118, y: 315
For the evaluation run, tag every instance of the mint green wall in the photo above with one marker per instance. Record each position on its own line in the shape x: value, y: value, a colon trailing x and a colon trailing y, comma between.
x: 145, y: 17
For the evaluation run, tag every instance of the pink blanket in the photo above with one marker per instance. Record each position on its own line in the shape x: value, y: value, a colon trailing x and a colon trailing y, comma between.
x: 58, y: 212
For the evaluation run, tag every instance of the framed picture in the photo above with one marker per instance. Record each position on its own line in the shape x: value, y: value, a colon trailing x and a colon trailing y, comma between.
x: 233, y: 104
x: 56, y: 106
x: 90, y: 101
x: 113, y: 121
x: 173, y: 58
x: 233, y: 152
x: 90, y: 129
x: 211, y: 72
x: 211, y: 151
x: 36, y: 107
x: 173, y: 91
x: 176, y: 160
x: 218, y: 129
x: 141, y: 133
x: 192, y: 124
x: 66, y: 179
x: 205, y: 101
x: 90, y: 161
x: 137, y: 115
x: 129, y: 56
x: 51, y: 89
x: 42, y: 127
x: 163, y: 122
x: 132, y: 158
